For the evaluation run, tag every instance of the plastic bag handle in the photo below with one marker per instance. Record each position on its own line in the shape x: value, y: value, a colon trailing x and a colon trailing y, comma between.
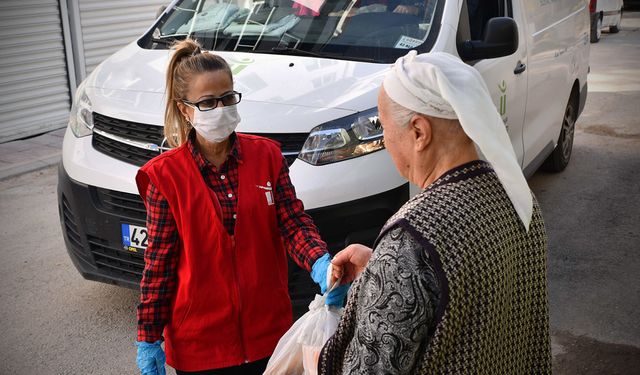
x: 335, y: 283
x: 333, y: 286
x: 319, y: 300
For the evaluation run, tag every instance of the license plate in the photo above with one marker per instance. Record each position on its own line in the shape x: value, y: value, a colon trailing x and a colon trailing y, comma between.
x: 134, y: 238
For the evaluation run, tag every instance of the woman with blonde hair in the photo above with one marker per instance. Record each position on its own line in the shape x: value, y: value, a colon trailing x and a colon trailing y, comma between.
x: 222, y: 215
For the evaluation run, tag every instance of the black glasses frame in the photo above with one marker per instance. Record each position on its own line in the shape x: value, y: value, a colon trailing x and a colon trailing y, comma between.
x: 218, y: 100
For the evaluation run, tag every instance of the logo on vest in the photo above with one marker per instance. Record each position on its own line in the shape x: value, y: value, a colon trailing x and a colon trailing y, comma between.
x: 268, y: 192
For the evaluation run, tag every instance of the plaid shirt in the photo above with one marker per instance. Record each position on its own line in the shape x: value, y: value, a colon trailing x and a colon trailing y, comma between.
x: 300, y: 236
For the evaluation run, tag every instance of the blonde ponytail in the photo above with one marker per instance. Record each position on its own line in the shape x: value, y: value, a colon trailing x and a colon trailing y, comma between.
x: 187, y: 61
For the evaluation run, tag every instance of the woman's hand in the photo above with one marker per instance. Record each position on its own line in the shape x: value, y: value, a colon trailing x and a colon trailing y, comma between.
x: 151, y: 358
x: 350, y: 262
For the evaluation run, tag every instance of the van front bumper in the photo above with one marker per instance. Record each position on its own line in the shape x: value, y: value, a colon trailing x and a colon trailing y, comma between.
x: 91, y: 219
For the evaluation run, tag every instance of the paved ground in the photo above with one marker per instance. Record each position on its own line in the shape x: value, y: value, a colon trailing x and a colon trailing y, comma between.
x: 54, y: 322
x: 31, y: 154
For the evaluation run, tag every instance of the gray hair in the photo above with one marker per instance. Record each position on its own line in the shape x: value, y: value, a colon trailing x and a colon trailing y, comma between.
x: 399, y: 114
x: 402, y: 115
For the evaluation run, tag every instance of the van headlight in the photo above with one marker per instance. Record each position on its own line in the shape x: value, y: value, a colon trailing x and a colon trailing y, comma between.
x: 81, y: 117
x: 342, y: 139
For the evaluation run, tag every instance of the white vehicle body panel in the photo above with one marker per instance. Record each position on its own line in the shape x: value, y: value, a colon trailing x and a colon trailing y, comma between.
x: 87, y: 166
x: 272, y: 104
x: 292, y: 94
x: 611, y: 12
x: 557, y: 38
x: 509, y: 90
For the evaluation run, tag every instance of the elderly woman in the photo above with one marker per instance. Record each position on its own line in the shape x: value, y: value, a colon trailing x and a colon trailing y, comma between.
x: 456, y: 282
x: 222, y: 215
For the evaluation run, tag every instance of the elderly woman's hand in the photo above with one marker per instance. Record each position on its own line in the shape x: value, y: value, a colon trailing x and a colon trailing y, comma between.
x: 350, y: 262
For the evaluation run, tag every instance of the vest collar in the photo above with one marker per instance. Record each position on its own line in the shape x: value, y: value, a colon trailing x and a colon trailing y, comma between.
x: 203, y: 164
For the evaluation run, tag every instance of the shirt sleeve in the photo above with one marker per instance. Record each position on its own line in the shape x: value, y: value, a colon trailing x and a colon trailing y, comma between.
x: 300, y: 235
x: 395, y: 308
x: 160, y: 262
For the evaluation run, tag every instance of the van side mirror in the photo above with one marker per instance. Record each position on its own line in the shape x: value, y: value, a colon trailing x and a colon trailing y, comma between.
x: 500, y: 39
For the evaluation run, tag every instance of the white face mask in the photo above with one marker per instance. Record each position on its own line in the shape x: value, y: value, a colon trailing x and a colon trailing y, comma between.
x: 216, y: 125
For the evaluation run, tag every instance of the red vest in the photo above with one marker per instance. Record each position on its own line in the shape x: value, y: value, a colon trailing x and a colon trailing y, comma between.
x: 231, y: 304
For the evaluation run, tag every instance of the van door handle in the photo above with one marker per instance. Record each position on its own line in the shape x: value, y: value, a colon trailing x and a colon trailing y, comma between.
x: 520, y: 68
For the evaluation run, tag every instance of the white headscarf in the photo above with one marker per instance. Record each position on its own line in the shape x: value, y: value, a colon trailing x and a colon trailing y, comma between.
x: 441, y: 85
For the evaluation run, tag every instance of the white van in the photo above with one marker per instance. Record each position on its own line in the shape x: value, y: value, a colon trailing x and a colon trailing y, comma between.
x: 605, y: 13
x: 309, y: 72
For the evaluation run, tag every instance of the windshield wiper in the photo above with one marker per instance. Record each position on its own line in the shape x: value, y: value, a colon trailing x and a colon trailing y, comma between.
x: 295, y: 51
x: 326, y: 55
x: 166, y: 40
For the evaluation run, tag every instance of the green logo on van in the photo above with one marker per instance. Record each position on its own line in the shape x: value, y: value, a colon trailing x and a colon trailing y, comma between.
x: 503, y: 98
x: 239, y: 65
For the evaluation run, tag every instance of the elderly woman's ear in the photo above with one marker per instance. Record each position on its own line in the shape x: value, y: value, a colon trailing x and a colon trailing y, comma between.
x: 421, y: 132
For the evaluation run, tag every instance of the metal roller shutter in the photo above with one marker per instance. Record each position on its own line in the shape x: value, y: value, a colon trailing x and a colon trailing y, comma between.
x: 108, y: 25
x: 34, y: 88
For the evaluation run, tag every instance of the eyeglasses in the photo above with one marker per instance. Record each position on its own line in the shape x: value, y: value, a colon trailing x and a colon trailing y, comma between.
x: 208, y: 104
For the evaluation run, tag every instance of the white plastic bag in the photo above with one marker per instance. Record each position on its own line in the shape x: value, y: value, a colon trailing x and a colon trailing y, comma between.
x: 298, y: 350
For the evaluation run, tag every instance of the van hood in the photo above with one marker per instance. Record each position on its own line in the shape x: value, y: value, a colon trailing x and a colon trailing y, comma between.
x: 288, y: 81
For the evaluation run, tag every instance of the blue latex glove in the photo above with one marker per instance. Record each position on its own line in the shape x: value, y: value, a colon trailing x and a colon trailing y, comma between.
x: 319, y: 275
x: 150, y: 358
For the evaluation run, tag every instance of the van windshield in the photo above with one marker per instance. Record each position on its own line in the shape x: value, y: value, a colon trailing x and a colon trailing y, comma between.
x: 364, y: 30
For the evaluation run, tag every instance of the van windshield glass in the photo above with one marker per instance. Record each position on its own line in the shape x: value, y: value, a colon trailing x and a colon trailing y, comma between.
x: 366, y: 30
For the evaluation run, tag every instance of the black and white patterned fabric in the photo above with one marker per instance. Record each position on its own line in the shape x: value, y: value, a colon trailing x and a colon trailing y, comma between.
x: 455, y: 285
x: 396, y: 305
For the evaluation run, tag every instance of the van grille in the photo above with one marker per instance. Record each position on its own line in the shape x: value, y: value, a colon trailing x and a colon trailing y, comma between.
x: 121, y: 204
x: 125, y: 129
x: 115, y: 261
x: 122, y: 151
x: 129, y: 129
x: 71, y: 230
x: 291, y: 143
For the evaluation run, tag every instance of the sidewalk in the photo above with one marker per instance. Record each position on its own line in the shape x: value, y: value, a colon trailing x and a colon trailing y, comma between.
x: 27, y: 155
